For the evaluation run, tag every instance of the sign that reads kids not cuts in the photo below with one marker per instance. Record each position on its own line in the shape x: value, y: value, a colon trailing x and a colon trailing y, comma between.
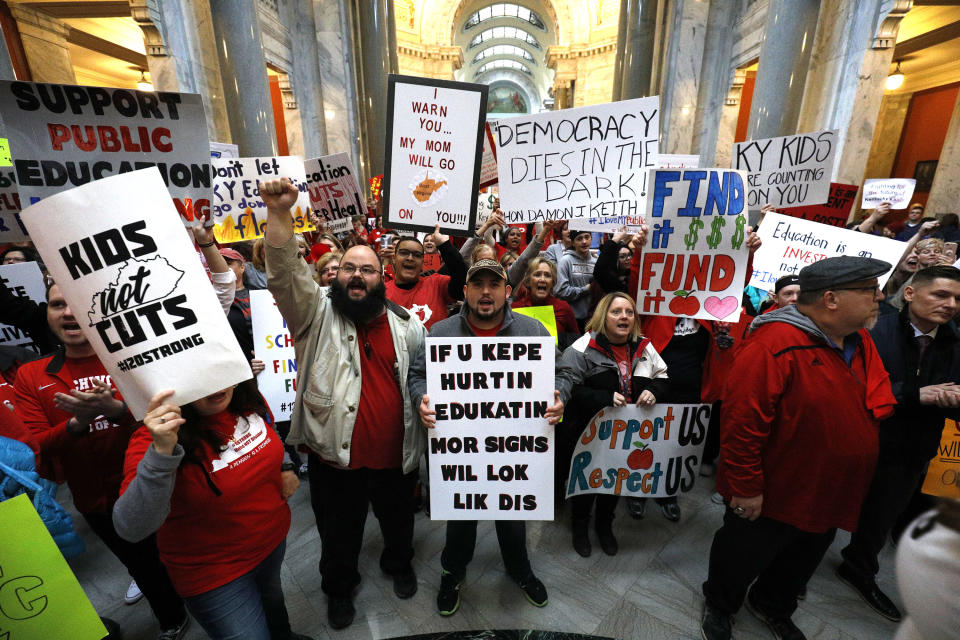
x: 790, y: 171
x: 896, y: 191
x: 491, y: 453
x: 695, y: 260
x: 137, y: 289
x: 644, y: 452
x: 435, y: 131
x: 238, y: 211
x: 273, y: 344
x: 23, y: 280
x: 62, y: 136
x: 334, y: 191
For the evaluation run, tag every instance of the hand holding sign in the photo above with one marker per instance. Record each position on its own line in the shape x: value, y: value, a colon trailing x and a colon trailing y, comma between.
x: 163, y: 421
x: 555, y: 411
x: 427, y: 415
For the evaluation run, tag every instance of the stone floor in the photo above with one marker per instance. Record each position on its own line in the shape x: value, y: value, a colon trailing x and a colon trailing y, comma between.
x: 651, y: 589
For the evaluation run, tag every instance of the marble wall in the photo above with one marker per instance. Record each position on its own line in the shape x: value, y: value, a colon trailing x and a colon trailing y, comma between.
x: 945, y: 193
x: 680, y: 88
x: 334, y: 53
x: 45, y: 45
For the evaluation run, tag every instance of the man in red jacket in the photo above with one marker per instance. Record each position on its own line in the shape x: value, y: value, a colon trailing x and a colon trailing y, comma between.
x: 798, y: 443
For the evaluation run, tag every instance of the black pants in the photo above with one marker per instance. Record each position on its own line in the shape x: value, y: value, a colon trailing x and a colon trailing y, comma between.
x: 283, y: 428
x: 347, y: 495
x: 781, y: 557
x: 462, y: 539
x: 581, y: 505
x: 142, y: 560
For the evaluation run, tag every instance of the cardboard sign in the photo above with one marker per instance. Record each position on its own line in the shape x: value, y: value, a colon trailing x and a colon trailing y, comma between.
x: 273, y: 344
x: 39, y: 595
x: 435, y: 131
x: 790, y: 244
x: 790, y: 171
x: 140, y: 295
x: 334, y: 191
x: 897, y: 192
x: 491, y: 453
x: 835, y: 212
x: 943, y: 474
x: 24, y: 280
x: 579, y: 164
x: 488, y: 161
x: 644, y: 452
x: 62, y: 136
x: 224, y: 150
x: 238, y: 211
x: 545, y: 314
x: 695, y: 259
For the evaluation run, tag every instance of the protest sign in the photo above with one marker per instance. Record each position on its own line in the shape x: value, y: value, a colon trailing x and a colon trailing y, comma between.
x: 790, y: 244
x: 10, y: 228
x: 488, y: 162
x: 6, y: 160
x: 334, y: 191
x: 588, y: 163
x: 40, y: 597
x: 545, y: 314
x: 644, y: 452
x: 137, y: 289
x: 677, y: 161
x: 491, y: 453
x: 435, y: 131
x: 238, y: 211
x: 943, y: 474
x: 835, y: 211
x: 273, y: 344
x: 62, y: 136
x: 23, y: 280
x: 224, y: 150
x: 686, y: 273
x: 790, y: 171
x: 485, y: 207
x: 896, y: 191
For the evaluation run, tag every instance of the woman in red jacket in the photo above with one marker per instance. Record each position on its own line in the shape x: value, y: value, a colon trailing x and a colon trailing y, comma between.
x: 209, y: 478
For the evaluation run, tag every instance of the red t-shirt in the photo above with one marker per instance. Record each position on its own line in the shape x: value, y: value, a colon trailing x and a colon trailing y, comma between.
x: 622, y: 353
x: 10, y: 424
x: 428, y: 299
x: 378, y: 432
x: 209, y: 540
x: 485, y: 333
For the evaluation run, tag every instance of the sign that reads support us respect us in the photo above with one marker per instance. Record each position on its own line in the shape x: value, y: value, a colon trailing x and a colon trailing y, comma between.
x: 334, y: 191
x: 491, y: 453
x: 23, y: 280
x: 790, y: 171
x: 119, y: 254
x: 273, y: 344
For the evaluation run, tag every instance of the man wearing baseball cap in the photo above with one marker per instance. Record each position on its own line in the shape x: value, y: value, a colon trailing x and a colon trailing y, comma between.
x: 799, y: 443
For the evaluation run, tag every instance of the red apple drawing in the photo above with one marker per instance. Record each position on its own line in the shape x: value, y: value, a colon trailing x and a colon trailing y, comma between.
x: 641, y: 458
x: 684, y: 303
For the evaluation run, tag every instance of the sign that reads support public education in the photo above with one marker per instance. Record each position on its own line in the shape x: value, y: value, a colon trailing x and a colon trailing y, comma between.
x: 896, y: 191
x: 62, y: 136
x: 273, y: 344
x: 695, y: 259
x: 588, y: 163
x: 643, y: 452
x: 435, y: 131
x: 491, y: 453
x: 23, y: 280
x: 137, y: 289
x: 835, y: 211
x: 790, y: 244
x: 790, y: 171
x: 334, y: 191
x: 238, y: 211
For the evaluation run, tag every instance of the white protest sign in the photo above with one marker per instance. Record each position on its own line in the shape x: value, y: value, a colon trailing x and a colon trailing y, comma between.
x: 63, y: 135
x: 644, y: 452
x: 583, y: 163
x: 224, y: 150
x: 491, y: 453
x: 896, y: 191
x: 488, y: 161
x: 11, y: 230
x: 273, y: 344
x: 24, y: 280
x: 790, y: 171
x: 677, y: 161
x: 484, y: 207
x: 695, y: 260
x: 140, y: 295
x: 435, y: 131
x: 238, y: 211
x: 334, y: 192
x: 790, y: 244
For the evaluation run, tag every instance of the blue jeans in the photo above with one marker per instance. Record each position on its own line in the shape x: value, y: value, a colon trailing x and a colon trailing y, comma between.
x: 248, y: 608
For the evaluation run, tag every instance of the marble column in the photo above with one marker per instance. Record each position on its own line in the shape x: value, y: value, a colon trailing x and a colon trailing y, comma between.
x: 945, y: 192
x: 306, y: 79
x: 621, y: 46
x: 716, y: 81
x: 373, y: 33
x: 726, y: 127
x: 162, y: 67
x: 886, y: 135
x: 680, y: 89
x: 45, y: 45
x: 638, y: 49
x: 335, y: 57
x: 782, y: 72
x: 243, y: 69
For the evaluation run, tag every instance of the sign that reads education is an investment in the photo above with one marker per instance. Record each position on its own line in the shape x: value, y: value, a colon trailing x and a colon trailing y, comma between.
x: 588, y: 163
x: 273, y: 344
x: 139, y: 293
x: 334, y: 191
x: 790, y: 171
x: 435, y: 131
x: 695, y: 260
x: 646, y: 452
x: 62, y: 136
x: 491, y: 453
x: 23, y: 280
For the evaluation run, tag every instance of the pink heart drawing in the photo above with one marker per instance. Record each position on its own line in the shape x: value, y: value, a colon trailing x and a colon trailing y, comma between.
x: 720, y: 308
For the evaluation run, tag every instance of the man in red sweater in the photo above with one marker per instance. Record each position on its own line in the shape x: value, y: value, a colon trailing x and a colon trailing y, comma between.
x: 426, y: 297
x: 798, y: 443
x: 82, y: 427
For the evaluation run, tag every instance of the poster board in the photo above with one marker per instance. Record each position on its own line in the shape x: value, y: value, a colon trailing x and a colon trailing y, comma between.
x: 273, y: 344
x: 695, y: 259
x: 24, y: 280
x: 484, y: 207
x: 943, y: 473
x: 789, y: 171
x: 334, y: 191
x: 224, y: 150
x: 488, y: 162
x: 896, y: 191
x: 545, y: 314
x: 10, y: 228
x: 491, y: 453
x: 138, y: 290
x: 435, y: 131
x: 834, y: 212
x: 677, y: 161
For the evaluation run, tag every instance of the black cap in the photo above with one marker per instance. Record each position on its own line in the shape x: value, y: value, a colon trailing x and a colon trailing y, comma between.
x: 831, y: 272
x: 786, y: 281
x: 487, y: 265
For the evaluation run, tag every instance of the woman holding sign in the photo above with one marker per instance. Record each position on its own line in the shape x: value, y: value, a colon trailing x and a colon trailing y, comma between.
x: 613, y: 365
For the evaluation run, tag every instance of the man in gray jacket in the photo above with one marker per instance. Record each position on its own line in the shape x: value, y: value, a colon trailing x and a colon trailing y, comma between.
x: 352, y: 409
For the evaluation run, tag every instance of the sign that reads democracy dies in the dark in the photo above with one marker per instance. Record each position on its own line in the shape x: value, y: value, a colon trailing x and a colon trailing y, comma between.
x: 62, y: 136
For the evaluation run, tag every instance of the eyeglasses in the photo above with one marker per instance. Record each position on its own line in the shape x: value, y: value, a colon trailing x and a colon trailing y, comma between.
x: 406, y: 253
x: 365, y: 270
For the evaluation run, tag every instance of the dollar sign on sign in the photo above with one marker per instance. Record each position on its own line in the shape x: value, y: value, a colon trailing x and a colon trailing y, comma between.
x: 691, y: 237
x: 713, y: 240
x: 737, y: 240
